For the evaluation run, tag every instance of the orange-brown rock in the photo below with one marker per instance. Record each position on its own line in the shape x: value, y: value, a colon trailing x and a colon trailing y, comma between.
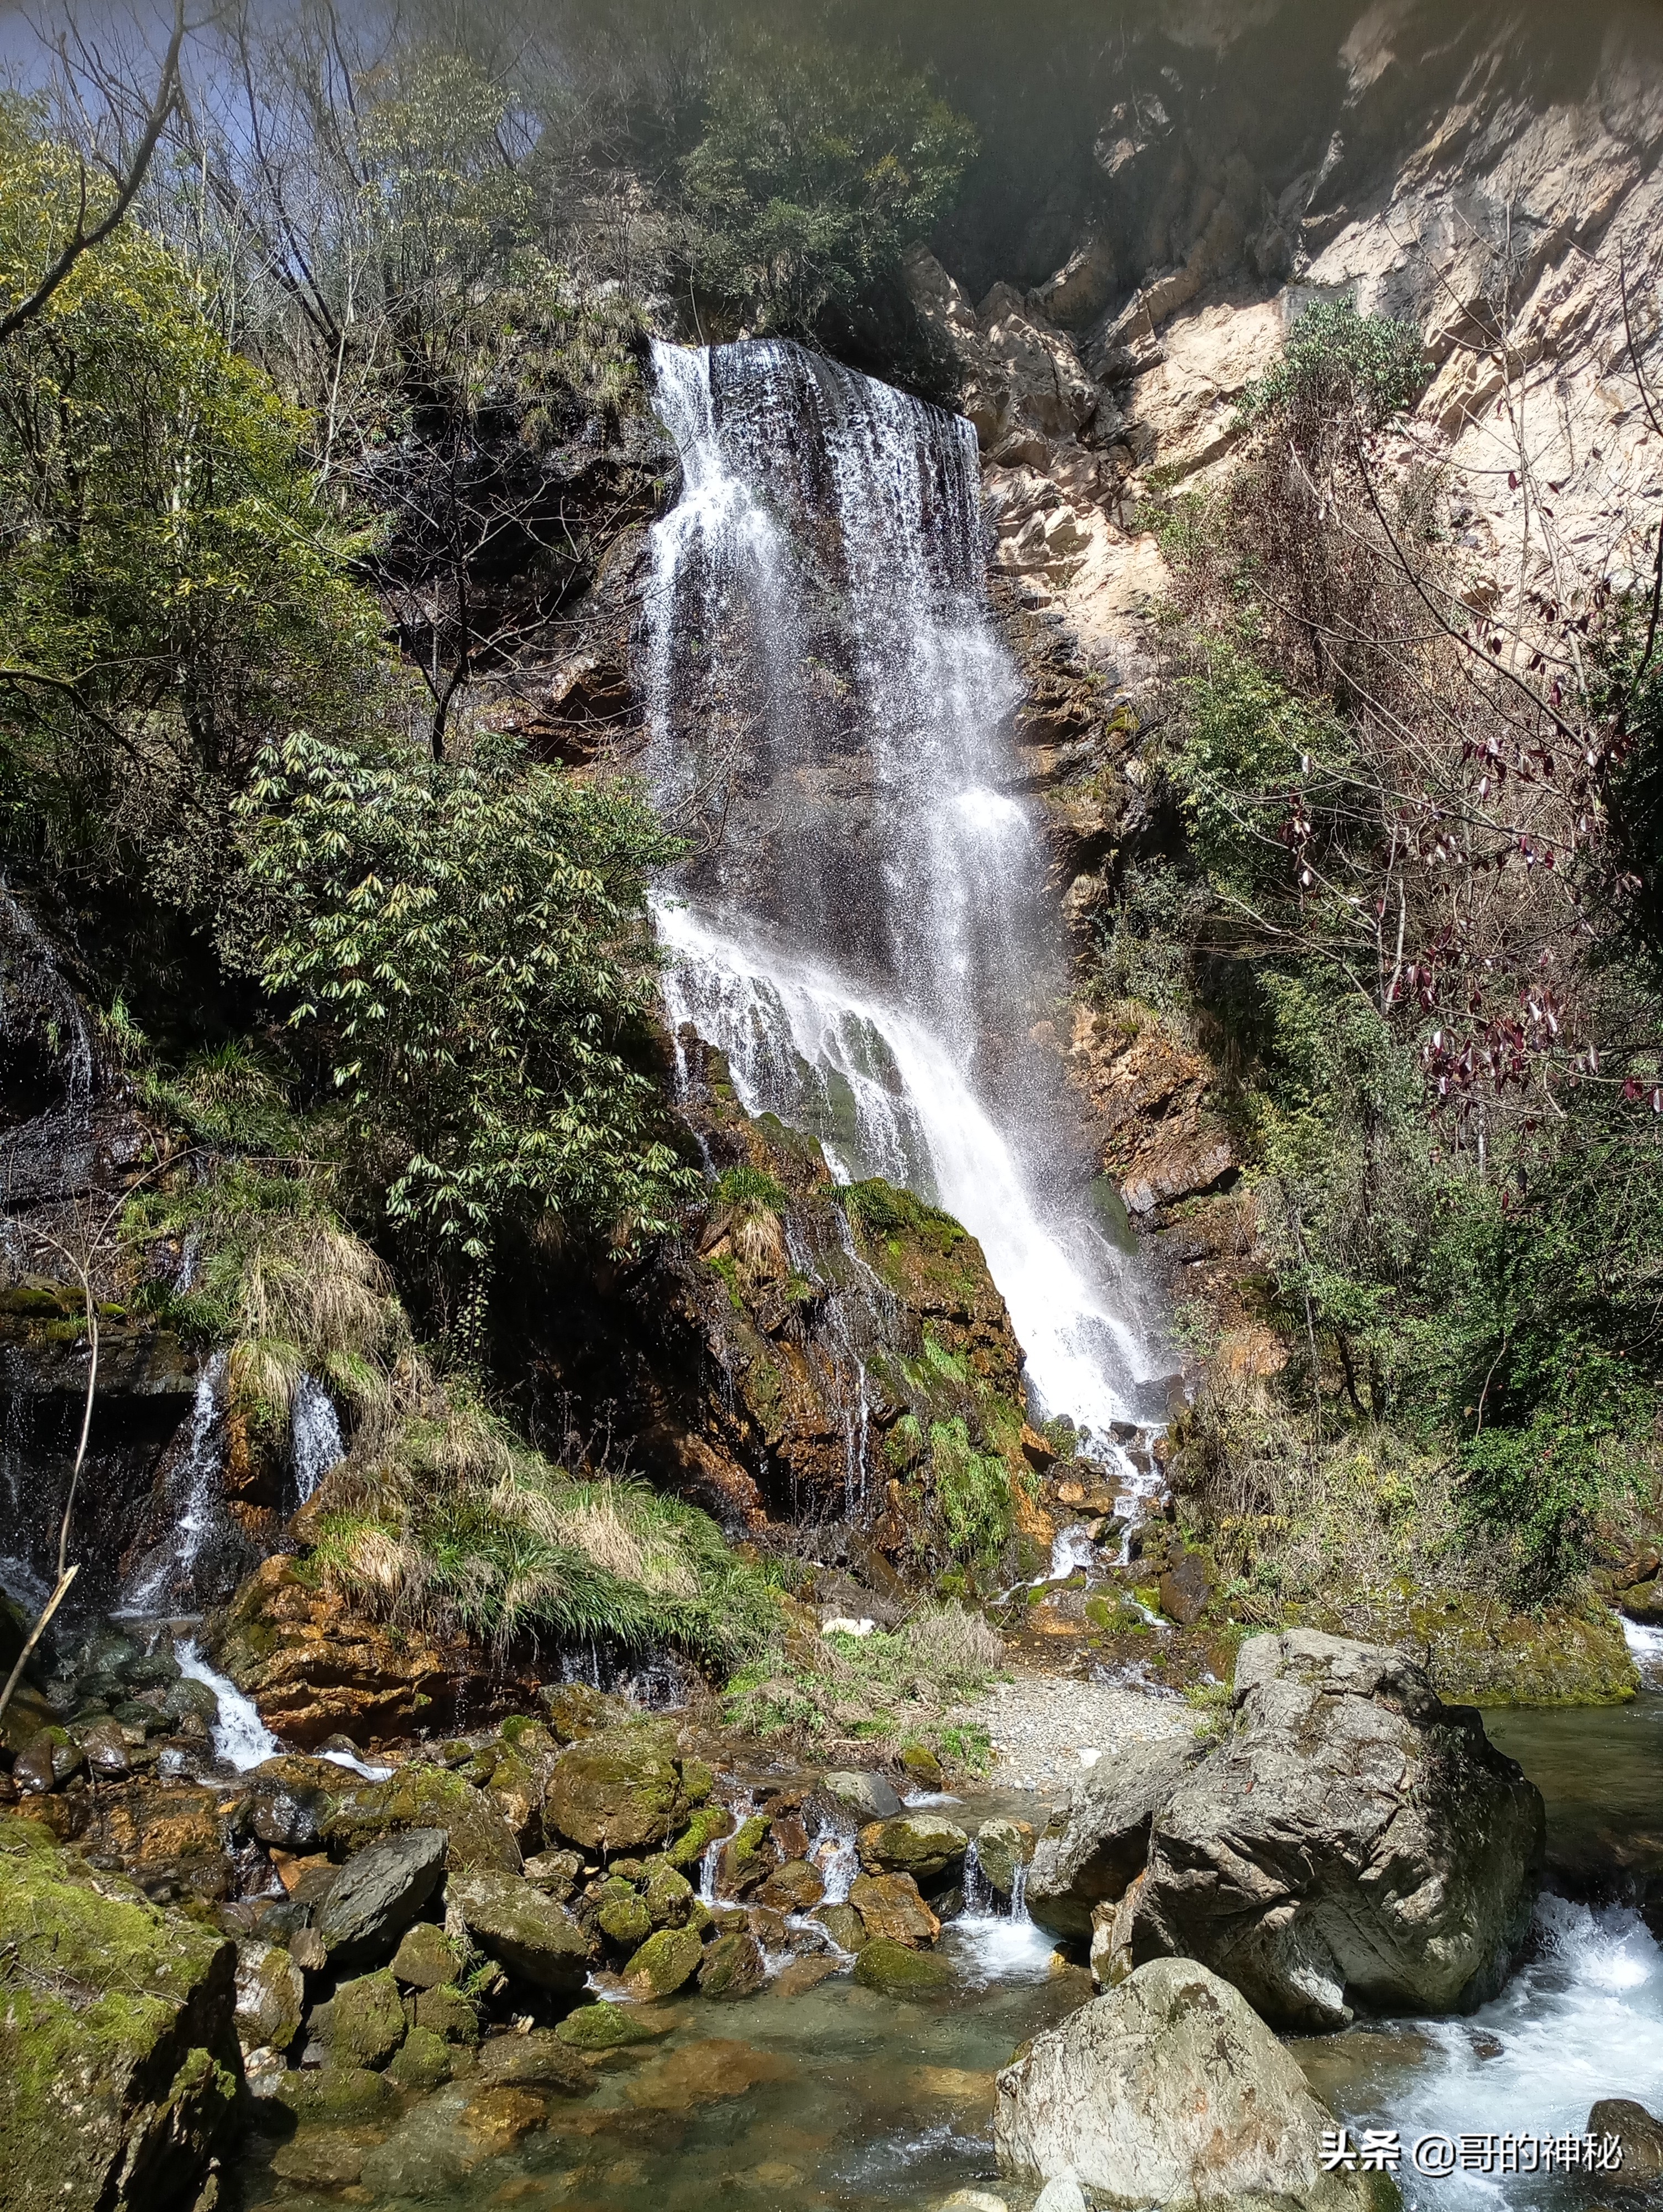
x: 891, y: 1907
x: 1151, y: 1097
x: 314, y: 1669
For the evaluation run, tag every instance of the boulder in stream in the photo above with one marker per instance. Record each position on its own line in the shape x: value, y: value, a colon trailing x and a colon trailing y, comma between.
x: 868, y: 1796
x: 1640, y: 2133
x: 1170, y: 2091
x: 926, y: 1845
x: 623, y: 1789
x: 1102, y: 1840
x: 1353, y: 1841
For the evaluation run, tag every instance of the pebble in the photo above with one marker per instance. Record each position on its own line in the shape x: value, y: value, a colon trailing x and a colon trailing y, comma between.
x: 1045, y: 1728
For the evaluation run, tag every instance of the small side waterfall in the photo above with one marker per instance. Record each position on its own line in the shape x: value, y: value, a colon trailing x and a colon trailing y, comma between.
x: 862, y: 929
x: 163, y: 1582
x: 315, y: 1442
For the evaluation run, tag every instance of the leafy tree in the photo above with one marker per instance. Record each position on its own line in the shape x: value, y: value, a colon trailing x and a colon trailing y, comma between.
x: 172, y: 590
x: 817, y: 167
x: 468, y: 942
x: 1339, y: 366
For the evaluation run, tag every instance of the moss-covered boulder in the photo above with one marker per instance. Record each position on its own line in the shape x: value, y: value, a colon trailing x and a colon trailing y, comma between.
x: 843, y: 1924
x: 334, y: 2091
x: 749, y: 1856
x: 447, y: 2012
x: 923, y: 1844
x: 422, y: 2062
x: 620, y: 1790
x: 363, y: 2023
x: 894, y: 1971
x: 1476, y: 1650
x: 1003, y: 1848
x: 119, y: 2068
x: 609, y: 2028
x: 708, y: 1825
x: 421, y: 1796
x: 733, y: 1966
x: 426, y: 1958
x: 664, y: 1962
x: 623, y: 1918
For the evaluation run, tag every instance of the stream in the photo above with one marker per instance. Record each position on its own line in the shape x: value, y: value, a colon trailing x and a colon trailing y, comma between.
x: 833, y: 2096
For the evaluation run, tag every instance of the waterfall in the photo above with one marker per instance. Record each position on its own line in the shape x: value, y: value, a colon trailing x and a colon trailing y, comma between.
x: 164, y: 1581
x: 862, y: 926
x: 315, y: 1442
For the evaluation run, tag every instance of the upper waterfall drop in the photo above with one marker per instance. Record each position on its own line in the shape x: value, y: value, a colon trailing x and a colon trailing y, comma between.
x: 863, y: 928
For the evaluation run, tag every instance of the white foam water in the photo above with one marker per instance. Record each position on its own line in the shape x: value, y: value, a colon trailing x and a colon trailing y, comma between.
x: 870, y: 947
x: 242, y: 1738
x: 1645, y: 1645
x: 1583, y: 2019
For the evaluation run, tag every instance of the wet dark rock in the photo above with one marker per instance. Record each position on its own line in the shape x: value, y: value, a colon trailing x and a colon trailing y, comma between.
x: 734, y: 1965
x: 1640, y: 2133
x: 1353, y: 1842
x: 46, y: 1761
x: 285, y: 1798
x: 1103, y: 1838
x: 381, y: 1891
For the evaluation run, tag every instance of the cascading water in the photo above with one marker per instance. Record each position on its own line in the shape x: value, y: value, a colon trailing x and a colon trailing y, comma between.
x: 315, y: 1442
x: 862, y: 928
x: 164, y: 1581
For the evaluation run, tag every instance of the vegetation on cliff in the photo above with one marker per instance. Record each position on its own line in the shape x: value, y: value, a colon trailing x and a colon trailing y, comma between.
x: 1400, y: 919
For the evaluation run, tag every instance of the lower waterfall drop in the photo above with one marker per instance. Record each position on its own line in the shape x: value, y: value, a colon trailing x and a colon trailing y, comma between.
x: 862, y: 930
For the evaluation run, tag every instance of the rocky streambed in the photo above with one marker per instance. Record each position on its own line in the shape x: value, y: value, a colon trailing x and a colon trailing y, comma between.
x: 606, y: 1958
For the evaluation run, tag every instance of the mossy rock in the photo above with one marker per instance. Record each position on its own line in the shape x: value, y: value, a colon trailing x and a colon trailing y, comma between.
x: 363, y: 2023
x: 1476, y: 1651
x: 894, y: 1971
x: 609, y: 2027
x: 528, y: 1737
x: 625, y: 1921
x: 618, y: 1791
x: 119, y: 2069
x: 708, y: 1825
x: 422, y: 2062
x: 334, y: 2092
x: 747, y: 1857
x: 921, y: 1763
x: 664, y: 1962
x: 926, y: 1845
x: 446, y: 2012
x: 420, y: 1796
x: 426, y: 1958
x: 843, y: 1924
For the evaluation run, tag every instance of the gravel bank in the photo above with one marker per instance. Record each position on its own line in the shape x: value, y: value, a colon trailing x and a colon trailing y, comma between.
x: 1041, y: 1724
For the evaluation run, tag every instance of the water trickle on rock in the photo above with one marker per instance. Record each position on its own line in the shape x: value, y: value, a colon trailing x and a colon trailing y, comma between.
x: 862, y: 929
